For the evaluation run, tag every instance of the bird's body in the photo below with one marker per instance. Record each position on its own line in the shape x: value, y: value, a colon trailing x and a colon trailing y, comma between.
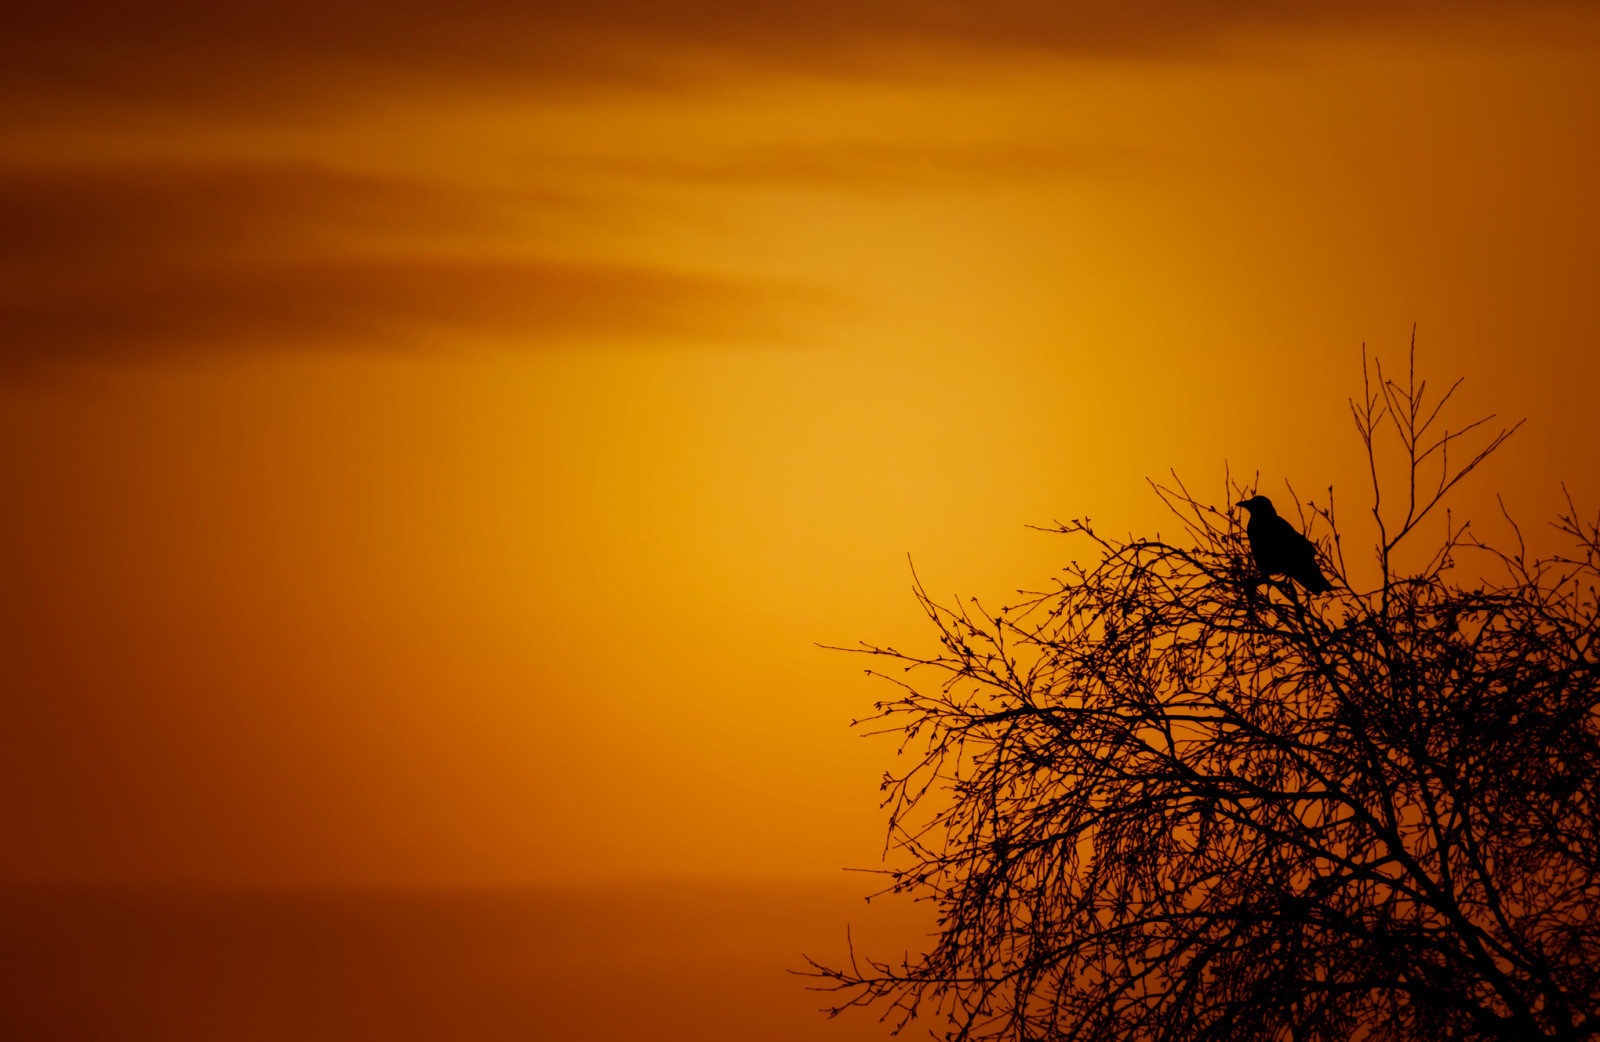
x: 1279, y: 549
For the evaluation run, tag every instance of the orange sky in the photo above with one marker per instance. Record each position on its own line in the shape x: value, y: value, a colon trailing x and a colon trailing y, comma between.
x: 435, y: 439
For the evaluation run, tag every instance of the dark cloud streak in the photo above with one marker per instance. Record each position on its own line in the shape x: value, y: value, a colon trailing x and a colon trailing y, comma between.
x: 865, y: 166
x: 250, y: 54
x: 104, y: 261
x: 371, y: 303
x: 118, y: 264
x: 114, y: 214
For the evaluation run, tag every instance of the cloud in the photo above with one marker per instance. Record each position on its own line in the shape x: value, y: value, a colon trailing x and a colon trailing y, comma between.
x: 370, y: 302
x: 91, y: 214
x: 863, y: 166
x: 119, y: 263
x: 117, y: 260
x: 200, y: 55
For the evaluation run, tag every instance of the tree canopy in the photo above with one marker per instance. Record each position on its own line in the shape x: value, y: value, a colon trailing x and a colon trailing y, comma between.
x: 1165, y: 800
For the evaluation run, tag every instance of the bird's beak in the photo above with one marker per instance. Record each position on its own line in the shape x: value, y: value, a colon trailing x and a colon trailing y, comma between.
x: 1242, y: 503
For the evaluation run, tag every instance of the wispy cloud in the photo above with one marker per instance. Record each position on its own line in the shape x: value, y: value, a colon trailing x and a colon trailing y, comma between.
x: 295, y: 53
x: 202, y: 246
x: 852, y: 165
x: 117, y: 263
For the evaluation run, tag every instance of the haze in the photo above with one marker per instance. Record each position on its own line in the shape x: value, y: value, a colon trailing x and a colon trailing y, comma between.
x: 435, y: 442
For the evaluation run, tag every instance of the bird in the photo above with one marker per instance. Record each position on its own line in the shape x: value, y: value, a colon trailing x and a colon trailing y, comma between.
x: 1279, y: 549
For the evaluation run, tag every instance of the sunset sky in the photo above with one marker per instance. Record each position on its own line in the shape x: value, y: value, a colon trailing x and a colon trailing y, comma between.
x: 437, y: 437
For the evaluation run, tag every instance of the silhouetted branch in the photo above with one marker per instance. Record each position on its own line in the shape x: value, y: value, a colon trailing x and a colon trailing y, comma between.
x: 1163, y: 800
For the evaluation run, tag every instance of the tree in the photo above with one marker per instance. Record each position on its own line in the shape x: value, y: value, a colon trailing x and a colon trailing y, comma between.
x: 1163, y: 800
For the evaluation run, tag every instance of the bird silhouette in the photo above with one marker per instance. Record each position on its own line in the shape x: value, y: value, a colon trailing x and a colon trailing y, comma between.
x: 1279, y: 549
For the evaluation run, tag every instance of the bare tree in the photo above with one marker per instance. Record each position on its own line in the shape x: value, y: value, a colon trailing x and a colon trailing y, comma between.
x: 1169, y: 799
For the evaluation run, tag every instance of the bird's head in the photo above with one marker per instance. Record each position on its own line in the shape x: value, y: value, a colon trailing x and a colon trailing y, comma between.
x: 1258, y: 504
